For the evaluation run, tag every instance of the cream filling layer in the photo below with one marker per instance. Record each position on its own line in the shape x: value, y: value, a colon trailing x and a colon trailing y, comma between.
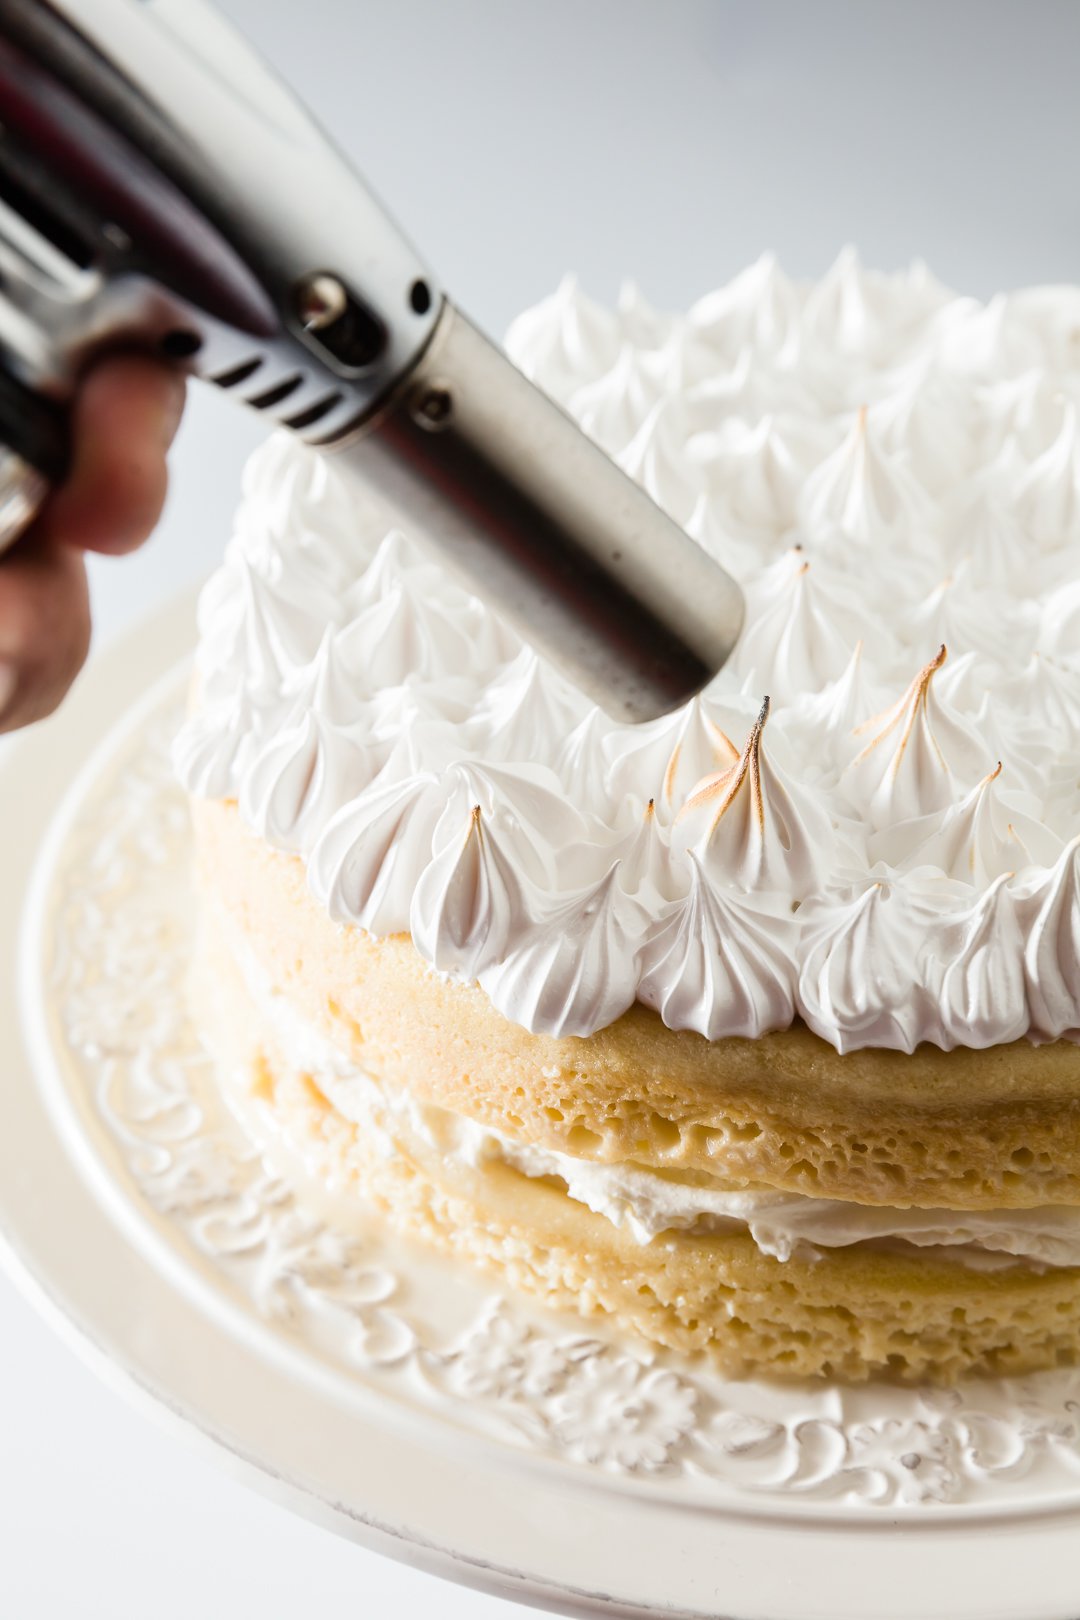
x: 642, y: 1201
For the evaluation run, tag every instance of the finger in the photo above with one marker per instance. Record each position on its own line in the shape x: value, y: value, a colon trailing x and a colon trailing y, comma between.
x: 125, y: 417
x: 44, y: 627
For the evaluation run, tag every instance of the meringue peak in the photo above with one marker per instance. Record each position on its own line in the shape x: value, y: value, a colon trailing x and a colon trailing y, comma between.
x: 909, y: 767
x: 714, y: 965
x: 468, y: 902
x: 566, y: 340
x: 700, y: 747
x: 799, y: 628
x: 562, y: 967
x: 986, y: 835
x: 645, y: 867
x: 718, y: 792
x: 860, y: 491
x: 749, y: 826
x: 910, y: 708
x: 838, y: 712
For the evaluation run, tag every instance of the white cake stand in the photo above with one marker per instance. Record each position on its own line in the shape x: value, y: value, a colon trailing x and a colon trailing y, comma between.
x: 395, y: 1398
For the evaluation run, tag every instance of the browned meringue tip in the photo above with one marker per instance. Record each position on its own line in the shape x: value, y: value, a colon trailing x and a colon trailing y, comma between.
x: 723, y: 786
x: 725, y: 755
x: 912, y: 699
x: 668, y: 788
x: 727, y: 746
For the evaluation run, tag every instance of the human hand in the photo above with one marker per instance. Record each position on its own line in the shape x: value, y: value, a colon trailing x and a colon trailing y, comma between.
x: 124, y: 420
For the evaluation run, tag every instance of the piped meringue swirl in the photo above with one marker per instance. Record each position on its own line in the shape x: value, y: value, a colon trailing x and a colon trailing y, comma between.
x: 867, y: 821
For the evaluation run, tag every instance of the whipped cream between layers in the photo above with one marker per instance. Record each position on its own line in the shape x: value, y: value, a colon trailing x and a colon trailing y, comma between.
x: 887, y: 848
x: 642, y: 1201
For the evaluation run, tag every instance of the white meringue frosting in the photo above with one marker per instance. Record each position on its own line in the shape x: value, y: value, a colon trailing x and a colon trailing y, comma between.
x: 869, y: 818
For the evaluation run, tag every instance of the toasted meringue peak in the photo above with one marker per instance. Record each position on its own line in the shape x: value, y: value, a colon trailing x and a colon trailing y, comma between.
x: 988, y: 834
x: 696, y: 747
x: 718, y: 791
x: 909, y: 765
x: 886, y: 468
x: 751, y: 828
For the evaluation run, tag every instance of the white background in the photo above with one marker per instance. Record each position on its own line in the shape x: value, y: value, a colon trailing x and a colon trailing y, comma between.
x: 667, y: 140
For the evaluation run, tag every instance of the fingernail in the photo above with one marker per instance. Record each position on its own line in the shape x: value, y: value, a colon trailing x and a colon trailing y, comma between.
x: 9, y: 680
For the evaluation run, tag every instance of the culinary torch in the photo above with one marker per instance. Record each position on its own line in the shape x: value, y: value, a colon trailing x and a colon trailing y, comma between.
x: 161, y: 188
